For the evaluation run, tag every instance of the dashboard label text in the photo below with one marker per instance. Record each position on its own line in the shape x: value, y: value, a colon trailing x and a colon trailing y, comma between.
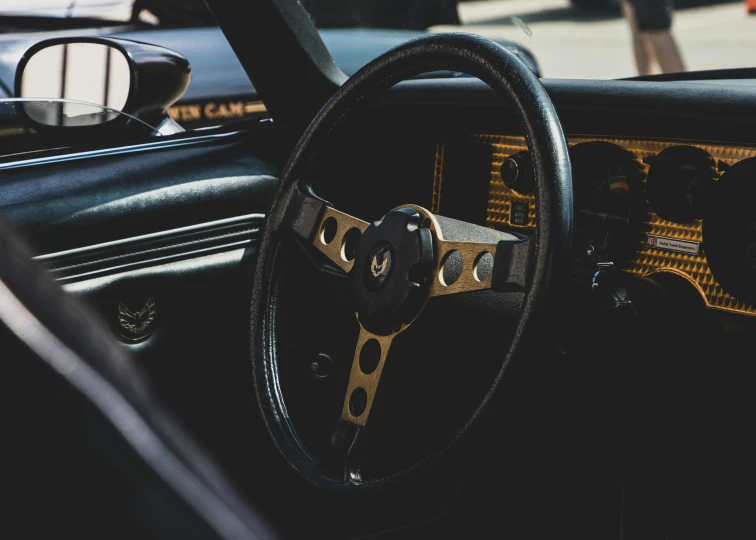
x: 672, y: 244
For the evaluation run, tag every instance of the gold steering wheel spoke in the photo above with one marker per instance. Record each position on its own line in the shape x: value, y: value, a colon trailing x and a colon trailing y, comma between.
x: 402, y: 261
x: 472, y: 276
x: 336, y: 235
x: 369, y: 358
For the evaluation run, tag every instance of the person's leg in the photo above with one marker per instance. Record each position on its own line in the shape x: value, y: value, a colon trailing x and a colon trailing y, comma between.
x: 642, y: 47
x: 653, y: 19
x: 666, y: 51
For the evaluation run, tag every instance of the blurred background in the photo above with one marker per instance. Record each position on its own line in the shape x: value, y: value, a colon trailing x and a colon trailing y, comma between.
x: 595, y: 39
x: 569, y: 38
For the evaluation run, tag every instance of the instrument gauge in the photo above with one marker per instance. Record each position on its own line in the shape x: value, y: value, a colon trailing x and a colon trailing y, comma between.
x: 609, y: 201
x: 729, y: 231
x: 679, y: 183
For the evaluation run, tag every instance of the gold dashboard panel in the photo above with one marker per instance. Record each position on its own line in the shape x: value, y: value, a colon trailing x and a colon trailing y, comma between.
x: 647, y: 259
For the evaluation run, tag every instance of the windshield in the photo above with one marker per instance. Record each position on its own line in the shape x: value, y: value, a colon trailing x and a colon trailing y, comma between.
x: 600, y: 39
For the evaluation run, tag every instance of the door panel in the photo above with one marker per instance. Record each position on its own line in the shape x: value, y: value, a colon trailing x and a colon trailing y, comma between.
x: 83, y: 202
x: 161, y: 243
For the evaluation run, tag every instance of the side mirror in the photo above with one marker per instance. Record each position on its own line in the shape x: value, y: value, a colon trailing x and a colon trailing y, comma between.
x: 119, y: 75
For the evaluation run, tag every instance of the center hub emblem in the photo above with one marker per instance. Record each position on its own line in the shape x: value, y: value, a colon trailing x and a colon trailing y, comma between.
x: 378, y: 267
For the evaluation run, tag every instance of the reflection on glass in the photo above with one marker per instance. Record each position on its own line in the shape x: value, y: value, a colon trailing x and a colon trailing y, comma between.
x: 21, y: 120
x: 82, y: 72
x: 66, y: 113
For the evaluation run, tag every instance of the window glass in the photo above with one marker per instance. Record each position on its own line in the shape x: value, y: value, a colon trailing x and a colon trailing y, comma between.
x: 28, y: 126
x: 599, y: 39
x: 220, y: 92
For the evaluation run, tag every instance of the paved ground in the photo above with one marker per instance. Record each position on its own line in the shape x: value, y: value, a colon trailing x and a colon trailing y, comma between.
x: 572, y: 45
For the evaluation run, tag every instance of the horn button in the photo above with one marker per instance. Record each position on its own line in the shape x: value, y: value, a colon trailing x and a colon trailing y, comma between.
x: 393, y: 261
x: 377, y: 267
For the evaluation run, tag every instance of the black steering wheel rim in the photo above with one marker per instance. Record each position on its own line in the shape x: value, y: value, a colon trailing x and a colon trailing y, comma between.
x: 506, y: 75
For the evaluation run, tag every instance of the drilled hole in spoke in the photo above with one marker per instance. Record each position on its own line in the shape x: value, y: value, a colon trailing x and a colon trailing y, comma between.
x: 370, y: 356
x: 349, y: 242
x: 483, y: 266
x: 357, y: 402
x: 451, y: 268
x: 328, y: 230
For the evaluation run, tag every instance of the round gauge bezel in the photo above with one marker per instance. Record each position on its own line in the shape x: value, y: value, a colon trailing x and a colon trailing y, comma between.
x: 668, y: 189
x: 588, y: 160
x: 729, y: 231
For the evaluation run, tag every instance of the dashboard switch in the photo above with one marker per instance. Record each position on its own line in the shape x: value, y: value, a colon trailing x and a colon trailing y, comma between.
x: 517, y: 173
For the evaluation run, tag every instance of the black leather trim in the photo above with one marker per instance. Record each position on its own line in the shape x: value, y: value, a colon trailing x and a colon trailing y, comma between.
x: 153, y: 249
x: 693, y: 111
x: 512, y: 80
x: 304, y: 211
x: 67, y: 205
x: 157, y: 144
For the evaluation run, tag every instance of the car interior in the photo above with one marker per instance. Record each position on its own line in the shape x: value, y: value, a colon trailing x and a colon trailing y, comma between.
x: 486, y: 306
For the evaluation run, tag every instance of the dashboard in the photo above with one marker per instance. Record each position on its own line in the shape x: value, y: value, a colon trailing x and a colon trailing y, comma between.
x: 648, y: 206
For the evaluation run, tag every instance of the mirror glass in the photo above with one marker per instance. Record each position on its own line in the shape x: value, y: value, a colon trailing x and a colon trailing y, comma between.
x: 91, y: 73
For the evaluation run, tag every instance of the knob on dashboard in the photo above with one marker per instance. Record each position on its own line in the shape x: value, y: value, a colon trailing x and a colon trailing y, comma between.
x: 517, y: 173
x: 729, y: 231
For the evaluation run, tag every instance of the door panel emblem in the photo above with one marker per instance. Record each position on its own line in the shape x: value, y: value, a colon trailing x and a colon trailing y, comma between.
x: 136, y: 324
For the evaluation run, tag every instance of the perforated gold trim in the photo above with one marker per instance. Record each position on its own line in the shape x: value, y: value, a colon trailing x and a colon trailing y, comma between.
x: 648, y: 260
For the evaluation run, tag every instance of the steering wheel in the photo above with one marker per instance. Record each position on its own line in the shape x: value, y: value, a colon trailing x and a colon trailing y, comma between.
x: 396, y: 264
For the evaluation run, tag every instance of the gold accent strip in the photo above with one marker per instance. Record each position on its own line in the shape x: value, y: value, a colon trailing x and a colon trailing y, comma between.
x: 253, y: 107
x: 648, y: 260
